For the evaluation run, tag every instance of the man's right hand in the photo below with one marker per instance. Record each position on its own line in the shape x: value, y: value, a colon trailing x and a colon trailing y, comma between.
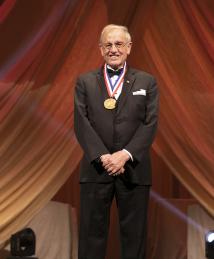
x: 106, y: 160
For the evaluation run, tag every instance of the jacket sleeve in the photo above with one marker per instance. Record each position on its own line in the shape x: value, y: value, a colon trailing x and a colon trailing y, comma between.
x: 87, y: 137
x: 143, y: 137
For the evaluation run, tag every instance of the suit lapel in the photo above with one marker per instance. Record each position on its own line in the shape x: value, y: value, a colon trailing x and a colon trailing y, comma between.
x: 101, y: 83
x: 127, y: 86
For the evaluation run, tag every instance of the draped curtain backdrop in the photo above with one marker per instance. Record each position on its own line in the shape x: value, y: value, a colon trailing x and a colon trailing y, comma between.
x: 44, y: 45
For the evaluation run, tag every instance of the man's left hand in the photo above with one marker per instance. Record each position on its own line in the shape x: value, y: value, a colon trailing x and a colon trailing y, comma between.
x: 116, y: 162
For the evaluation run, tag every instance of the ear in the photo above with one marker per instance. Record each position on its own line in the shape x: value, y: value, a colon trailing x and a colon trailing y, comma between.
x: 101, y: 50
x: 129, y: 47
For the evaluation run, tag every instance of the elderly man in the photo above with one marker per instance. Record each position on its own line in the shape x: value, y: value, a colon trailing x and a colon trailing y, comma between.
x: 115, y: 121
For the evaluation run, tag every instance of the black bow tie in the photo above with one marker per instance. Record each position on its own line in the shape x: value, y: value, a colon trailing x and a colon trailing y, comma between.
x: 112, y: 73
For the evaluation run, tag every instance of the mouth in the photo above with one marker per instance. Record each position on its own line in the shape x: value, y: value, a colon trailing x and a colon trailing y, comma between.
x: 114, y: 56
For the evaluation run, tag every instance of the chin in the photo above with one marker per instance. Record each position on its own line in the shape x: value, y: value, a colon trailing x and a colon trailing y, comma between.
x: 115, y: 64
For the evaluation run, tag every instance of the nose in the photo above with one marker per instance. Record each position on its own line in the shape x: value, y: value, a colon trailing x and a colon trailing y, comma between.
x: 113, y: 48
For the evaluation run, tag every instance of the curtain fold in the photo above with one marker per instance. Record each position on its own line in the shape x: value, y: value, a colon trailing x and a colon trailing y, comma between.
x: 38, y: 149
x: 175, y: 45
x: 46, y: 44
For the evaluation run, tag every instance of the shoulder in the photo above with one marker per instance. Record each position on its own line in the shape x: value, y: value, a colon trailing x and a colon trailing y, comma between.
x: 143, y: 78
x: 141, y: 74
x: 87, y: 81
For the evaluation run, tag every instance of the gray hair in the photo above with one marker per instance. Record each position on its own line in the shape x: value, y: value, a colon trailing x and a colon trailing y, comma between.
x: 118, y: 27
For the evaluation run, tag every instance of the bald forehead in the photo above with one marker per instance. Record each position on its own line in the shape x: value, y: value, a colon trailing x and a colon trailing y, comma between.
x: 110, y: 34
x: 120, y: 31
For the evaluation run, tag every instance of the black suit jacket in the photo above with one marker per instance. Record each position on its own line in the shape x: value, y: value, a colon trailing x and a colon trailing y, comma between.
x: 132, y: 125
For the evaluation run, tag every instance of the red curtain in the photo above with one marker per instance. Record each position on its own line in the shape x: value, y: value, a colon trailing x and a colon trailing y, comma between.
x: 46, y: 44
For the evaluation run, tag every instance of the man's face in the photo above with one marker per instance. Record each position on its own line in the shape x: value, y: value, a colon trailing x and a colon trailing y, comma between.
x: 115, y: 48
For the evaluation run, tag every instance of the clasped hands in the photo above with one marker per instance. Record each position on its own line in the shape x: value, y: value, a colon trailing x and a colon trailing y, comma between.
x: 114, y: 163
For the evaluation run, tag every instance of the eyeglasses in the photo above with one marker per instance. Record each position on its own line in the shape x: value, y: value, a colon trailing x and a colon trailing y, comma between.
x: 119, y: 45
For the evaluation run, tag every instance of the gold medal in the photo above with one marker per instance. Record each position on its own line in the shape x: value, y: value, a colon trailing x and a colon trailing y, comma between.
x: 110, y: 103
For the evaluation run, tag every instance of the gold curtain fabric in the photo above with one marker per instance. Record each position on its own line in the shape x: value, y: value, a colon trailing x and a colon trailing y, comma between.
x: 44, y: 46
x: 177, y: 46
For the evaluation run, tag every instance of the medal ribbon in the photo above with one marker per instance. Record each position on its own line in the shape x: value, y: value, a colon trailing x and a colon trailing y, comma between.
x: 118, y: 83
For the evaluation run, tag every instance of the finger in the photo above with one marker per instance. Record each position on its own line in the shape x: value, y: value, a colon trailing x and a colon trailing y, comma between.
x: 117, y: 171
x: 105, y: 163
x: 112, y: 171
x: 121, y: 171
x: 108, y: 167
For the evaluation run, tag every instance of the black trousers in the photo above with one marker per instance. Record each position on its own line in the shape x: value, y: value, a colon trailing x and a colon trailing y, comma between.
x: 132, y: 204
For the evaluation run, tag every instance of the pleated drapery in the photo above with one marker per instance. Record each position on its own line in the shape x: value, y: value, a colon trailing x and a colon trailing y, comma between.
x: 44, y: 45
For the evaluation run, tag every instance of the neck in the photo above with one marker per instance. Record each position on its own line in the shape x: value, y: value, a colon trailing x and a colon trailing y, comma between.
x: 116, y: 67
